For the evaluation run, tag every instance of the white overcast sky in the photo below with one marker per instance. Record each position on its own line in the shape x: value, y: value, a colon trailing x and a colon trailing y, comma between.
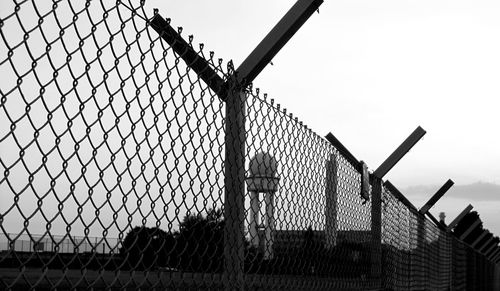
x: 371, y: 72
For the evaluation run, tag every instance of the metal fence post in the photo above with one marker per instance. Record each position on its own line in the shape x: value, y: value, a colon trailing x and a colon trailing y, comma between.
x: 234, y: 184
x: 331, y: 202
x: 376, y: 228
x: 380, y: 172
x: 421, y: 252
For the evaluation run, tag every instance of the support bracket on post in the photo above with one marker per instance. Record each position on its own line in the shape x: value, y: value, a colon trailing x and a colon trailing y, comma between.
x: 470, y: 229
x: 399, y: 153
x: 495, y: 255
x: 488, y: 251
x: 479, y: 238
x: 459, y: 217
x: 486, y: 243
x: 197, y: 63
x: 281, y: 33
x: 436, y: 196
x: 289, y: 24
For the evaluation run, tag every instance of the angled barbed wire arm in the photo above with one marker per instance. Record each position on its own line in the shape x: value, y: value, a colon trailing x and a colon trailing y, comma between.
x: 459, y: 217
x: 479, y: 238
x: 470, y: 229
x: 185, y: 50
x: 400, y: 152
x: 446, y: 186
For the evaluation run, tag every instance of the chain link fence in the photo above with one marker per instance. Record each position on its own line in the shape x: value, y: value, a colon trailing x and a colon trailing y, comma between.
x: 117, y: 172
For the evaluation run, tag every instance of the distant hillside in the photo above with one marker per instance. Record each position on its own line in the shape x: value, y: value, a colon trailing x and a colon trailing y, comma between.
x: 479, y: 191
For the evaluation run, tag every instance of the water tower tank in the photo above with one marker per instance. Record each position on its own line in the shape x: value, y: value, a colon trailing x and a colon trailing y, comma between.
x: 263, y: 173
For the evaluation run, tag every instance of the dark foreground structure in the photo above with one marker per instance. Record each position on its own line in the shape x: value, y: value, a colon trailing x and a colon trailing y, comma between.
x: 131, y: 158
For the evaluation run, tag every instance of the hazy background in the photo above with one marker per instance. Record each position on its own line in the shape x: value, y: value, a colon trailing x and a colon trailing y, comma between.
x: 371, y: 72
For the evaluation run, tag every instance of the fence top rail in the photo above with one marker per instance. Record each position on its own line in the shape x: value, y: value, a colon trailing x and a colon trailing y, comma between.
x: 395, y: 191
x: 343, y: 151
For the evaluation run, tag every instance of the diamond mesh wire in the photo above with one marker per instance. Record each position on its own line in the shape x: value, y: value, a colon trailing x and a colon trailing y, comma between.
x: 396, y: 238
x: 113, y: 154
x: 320, y: 225
x: 105, y: 133
x: 417, y: 255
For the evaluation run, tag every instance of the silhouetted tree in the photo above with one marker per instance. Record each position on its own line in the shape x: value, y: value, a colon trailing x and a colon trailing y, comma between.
x: 312, y: 250
x: 198, y: 246
x: 146, y: 248
x: 200, y: 242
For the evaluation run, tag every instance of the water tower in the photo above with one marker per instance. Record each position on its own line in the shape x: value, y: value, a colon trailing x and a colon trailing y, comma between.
x: 262, y: 179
